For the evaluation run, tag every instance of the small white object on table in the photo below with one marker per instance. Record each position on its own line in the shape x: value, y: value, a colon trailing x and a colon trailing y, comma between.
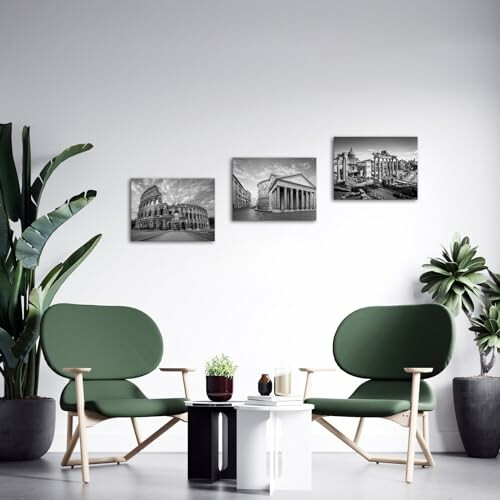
x: 273, y: 447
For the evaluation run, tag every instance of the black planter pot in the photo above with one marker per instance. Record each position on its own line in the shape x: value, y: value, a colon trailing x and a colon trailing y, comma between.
x: 26, y: 428
x: 219, y: 388
x: 477, y: 408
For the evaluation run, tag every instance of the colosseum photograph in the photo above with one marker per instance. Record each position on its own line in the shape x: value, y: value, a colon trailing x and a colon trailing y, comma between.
x: 274, y: 189
x: 172, y: 209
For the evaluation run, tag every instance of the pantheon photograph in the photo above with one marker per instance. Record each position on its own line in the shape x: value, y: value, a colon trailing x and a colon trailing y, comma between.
x: 375, y: 168
x: 171, y: 209
x: 274, y: 189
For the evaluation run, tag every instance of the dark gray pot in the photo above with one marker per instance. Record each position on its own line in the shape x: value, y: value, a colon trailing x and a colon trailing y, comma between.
x: 26, y: 428
x: 477, y: 408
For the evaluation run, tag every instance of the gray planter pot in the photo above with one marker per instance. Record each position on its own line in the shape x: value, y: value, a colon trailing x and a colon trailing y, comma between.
x: 477, y: 408
x: 26, y: 428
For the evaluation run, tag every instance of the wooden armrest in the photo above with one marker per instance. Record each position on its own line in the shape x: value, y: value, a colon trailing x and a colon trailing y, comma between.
x: 418, y: 370
x: 182, y: 370
x: 314, y: 370
x: 76, y: 371
x: 309, y: 377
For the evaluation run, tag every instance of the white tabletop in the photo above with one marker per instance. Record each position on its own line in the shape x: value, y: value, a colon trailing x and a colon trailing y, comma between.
x: 245, y: 407
x: 212, y: 404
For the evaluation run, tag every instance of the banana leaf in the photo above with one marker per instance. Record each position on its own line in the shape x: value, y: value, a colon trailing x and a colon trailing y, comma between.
x: 62, y: 271
x: 8, y: 174
x: 48, y: 170
x: 15, y: 314
x: 5, y: 287
x: 34, y: 238
x: 42, y: 296
x: 26, y: 182
x: 29, y: 335
x: 5, y: 231
x: 6, y: 343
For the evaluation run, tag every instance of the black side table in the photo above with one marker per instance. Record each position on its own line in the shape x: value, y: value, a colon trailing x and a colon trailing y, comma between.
x: 203, y: 441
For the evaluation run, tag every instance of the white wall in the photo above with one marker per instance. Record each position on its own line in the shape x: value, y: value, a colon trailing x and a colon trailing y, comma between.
x: 166, y: 88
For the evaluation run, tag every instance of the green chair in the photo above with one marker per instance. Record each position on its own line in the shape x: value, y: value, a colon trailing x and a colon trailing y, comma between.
x: 99, y: 348
x: 394, y: 347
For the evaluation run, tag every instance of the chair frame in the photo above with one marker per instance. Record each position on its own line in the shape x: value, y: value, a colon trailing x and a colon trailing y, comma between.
x: 407, y: 419
x: 89, y: 419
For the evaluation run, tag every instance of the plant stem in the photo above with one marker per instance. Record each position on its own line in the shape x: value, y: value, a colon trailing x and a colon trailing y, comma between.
x: 29, y: 383
x: 487, y: 366
x: 37, y: 367
x: 484, y: 365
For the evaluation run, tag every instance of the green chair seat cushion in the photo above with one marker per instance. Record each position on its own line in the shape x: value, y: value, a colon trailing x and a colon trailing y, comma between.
x: 119, y: 398
x: 358, y: 407
x: 376, y: 398
x: 137, y: 407
x: 396, y: 390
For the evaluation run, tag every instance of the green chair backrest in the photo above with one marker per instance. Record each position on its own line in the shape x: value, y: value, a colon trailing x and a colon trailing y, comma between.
x: 116, y: 342
x: 378, y: 342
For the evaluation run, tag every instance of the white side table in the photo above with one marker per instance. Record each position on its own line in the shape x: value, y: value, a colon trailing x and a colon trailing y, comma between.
x: 273, y: 447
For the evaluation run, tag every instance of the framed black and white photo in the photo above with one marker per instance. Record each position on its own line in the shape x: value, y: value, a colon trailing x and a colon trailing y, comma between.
x: 274, y: 189
x: 375, y: 168
x: 171, y: 209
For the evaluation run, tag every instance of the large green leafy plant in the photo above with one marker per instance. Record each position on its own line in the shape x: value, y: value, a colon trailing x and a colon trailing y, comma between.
x: 457, y: 281
x: 23, y: 235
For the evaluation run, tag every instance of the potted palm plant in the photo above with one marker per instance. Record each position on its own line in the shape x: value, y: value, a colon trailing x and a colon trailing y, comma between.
x: 26, y: 419
x: 220, y: 371
x: 458, y: 281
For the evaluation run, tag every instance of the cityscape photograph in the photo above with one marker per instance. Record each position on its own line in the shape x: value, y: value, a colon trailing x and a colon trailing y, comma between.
x: 279, y: 189
x: 375, y: 168
x: 172, y: 209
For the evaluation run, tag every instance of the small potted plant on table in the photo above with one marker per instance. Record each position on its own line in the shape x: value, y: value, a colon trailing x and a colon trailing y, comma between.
x: 220, y: 371
x: 457, y: 281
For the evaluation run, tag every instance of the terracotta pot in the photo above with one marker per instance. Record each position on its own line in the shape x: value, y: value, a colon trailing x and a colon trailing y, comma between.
x: 219, y: 388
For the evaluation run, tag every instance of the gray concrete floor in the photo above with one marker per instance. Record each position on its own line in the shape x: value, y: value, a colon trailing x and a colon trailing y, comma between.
x: 336, y: 476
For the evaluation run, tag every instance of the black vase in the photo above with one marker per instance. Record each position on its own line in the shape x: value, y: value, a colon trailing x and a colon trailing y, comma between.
x: 477, y: 408
x: 26, y: 428
x: 265, y: 385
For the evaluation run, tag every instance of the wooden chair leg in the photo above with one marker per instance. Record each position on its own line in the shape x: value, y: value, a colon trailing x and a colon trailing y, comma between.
x: 70, y: 447
x: 412, y: 431
x: 69, y: 429
x: 349, y: 442
x: 82, y: 427
x: 151, y: 438
x: 359, y: 430
x: 425, y: 449
x: 425, y: 426
x: 352, y: 444
x: 136, y: 430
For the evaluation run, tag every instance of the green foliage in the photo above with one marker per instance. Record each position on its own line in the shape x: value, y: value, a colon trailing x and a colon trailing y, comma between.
x: 30, y: 245
x: 48, y: 170
x: 22, y: 301
x: 42, y: 296
x: 457, y: 281
x: 8, y: 174
x: 454, y: 279
x: 487, y: 328
x: 491, y: 288
x: 220, y: 366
